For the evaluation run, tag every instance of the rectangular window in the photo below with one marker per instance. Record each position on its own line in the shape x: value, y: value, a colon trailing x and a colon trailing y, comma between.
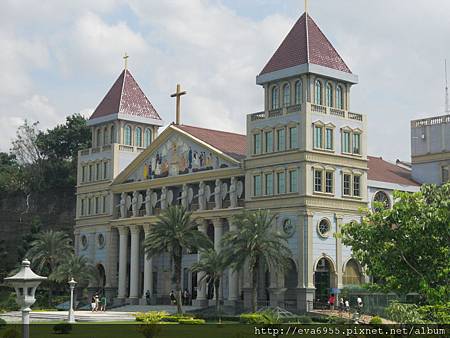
x: 356, y: 186
x: 83, y: 206
x: 257, y: 144
x: 318, y: 180
x: 356, y: 144
x: 83, y: 174
x: 329, y: 182
x: 445, y: 174
x: 281, y: 183
x: 103, y: 204
x: 269, y: 141
x: 89, y: 201
x: 318, y: 137
x: 257, y: 185
x: 281, y: 139
x: 91, y: 173
x: 329, y: 139
x: 346, y: 142
x: 293, y: 181
x: 269, y: 184
x: 347, y: 184
x: 97, y: 170
x: 105, y: 170
x: 293, y: 138
x: 97, y: 205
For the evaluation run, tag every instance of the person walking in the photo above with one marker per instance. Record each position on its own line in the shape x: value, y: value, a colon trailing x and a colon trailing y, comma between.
x: 360, y: 304
x: 331, y: 301
x: 97, y: 302
x: 147, y: 297
x: 173, y: 299
x: 93, y: 303
x: 103, y: 303
x: 341, y: 304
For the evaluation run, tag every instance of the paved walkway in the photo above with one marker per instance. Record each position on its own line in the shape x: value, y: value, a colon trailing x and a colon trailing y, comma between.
x: 124, y: 313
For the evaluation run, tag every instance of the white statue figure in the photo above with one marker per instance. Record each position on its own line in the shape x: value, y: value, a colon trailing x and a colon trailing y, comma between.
x: 184, y: 196
x: 148, y: 203
x: 233, y: 193
x: 218, y: 195
x: 163, y: 198
x: 201, y: 196
x: 134, y: 204
x: 122, y: 207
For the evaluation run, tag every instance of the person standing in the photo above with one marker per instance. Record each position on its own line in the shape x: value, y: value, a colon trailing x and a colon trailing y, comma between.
x: 360, y: 304
x: 147, y: 297
x: 97, y: 302
x: 173, y: 299
x: 103, y: 303
x: 93, y: 303
x: 331, y: 301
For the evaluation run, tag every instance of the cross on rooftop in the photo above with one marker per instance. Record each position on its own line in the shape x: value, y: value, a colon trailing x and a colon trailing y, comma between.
x: 125, y: 59
x: 178, y: 95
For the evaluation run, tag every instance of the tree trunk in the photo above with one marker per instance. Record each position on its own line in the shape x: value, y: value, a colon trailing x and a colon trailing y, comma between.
x: 255, y: 286
x: 177, y: 263
x: 216, y: 291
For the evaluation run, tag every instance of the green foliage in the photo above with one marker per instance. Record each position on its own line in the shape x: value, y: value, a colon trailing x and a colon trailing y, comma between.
x: 304, y: 320
x: 256, y: 243
x: 260, y: 318
x: 407, y: 247
x: 174, y: 232
x: 376, y: 320
x: 439, y: 314
x: 2, y: 323
x: 192, y: 321
x: 149, y: 330
x: 151, y: 317
x: 62, y: 328
x: 11, y: 333
x: 77, y: 267
x: 11, y: 175
x: 404, y: 313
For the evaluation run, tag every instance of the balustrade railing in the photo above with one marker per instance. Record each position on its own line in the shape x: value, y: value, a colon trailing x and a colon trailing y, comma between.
x: 431, y: 121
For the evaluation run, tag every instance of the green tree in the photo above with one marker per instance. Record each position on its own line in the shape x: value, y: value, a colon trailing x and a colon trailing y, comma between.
x: 175, y: 232
x: 256, y: 243
x: 47, y: 251
x: 213, y: 265
x: 76, y: 267
x: 11, y: 174
x: 407, y: 247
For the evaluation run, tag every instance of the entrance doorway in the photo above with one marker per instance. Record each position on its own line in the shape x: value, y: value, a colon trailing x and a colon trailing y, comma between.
x: 322, y: 280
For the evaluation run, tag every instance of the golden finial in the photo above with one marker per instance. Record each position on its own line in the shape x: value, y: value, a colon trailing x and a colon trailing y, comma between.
x: 125, y: 60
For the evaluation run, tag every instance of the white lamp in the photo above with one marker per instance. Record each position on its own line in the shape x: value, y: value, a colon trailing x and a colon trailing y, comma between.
x: 72, y: 284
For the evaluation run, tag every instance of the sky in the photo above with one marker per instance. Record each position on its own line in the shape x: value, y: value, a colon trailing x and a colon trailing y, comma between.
x: 61, y: 57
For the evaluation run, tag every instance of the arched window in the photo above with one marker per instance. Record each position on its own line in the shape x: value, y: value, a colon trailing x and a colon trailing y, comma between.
x: 352, y: 275
x: 99, y: 137
x: 339, y: 98
x: 318, y: 96
x: 138, y: 137
x: 113, y: 134
x: 275, y: 98
x: 105, y: 136
x: 381, y: 197
x: 298, y: 92
x: 127, y: 135
x: 329, y: 102
x: 287, y: 95
x: 147, y: 137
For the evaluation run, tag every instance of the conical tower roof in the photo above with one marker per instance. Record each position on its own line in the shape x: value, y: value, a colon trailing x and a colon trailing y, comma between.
x: 125, y: 100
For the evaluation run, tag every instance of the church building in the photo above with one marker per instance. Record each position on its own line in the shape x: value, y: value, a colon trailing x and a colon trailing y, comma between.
x: 304, y: 158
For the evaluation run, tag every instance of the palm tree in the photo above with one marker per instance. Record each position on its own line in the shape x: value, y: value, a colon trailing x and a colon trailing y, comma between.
x: 76, y: 267
x: 47, y: 250
x: 257, y: 243
x: 213, y: 264
x: 174, y: 232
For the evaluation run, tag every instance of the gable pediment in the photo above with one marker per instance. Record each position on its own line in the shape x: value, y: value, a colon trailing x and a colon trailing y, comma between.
x: 174, y: 153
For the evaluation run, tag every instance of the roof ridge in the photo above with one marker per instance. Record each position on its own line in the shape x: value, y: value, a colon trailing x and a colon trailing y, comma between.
x: 123, y: 86
x: 220, y: 131
x: 307, y: 36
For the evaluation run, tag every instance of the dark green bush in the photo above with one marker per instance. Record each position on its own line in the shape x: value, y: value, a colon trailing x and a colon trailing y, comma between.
x: 191, y: 321
x: 2, y: 323
x: 376, y: 320
x: 62, y: 328
x: 439, y: 314
x: 11, y: 333
x: 304, y: 320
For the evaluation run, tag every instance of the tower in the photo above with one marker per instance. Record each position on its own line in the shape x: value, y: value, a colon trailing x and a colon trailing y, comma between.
x: 307, y: 159
x: 122, y: 125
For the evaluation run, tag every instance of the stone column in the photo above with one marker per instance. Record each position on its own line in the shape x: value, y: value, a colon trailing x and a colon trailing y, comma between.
x: 306, y: 289
x: 77, y: 242
x: 123, y: 252
x: 111, y: 263
x: 233, y: 278
x: 218, y: 233
x: 134, y: 264
x: 201, y: 300
x: 148, y: 271
x: 338, y: 252
x: 92, y: 246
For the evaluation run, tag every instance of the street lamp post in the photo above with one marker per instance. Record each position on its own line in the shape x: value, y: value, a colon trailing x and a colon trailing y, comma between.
x: 25, y: 283
x: 72, y: 284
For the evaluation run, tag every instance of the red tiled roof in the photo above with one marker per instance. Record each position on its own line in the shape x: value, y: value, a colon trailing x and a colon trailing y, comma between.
x: 383, y: 171
x: 305, y: 43
x: 127, y: 98
x: 232, y: 144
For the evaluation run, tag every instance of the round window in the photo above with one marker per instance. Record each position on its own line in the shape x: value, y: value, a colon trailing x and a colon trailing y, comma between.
x: 324, y: 227
x: 84, y: 242
x: 101, y: 240
x: 288, y: 228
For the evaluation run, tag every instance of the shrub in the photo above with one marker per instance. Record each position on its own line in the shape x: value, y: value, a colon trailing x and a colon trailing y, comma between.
x: 11, y: 333
x: 62, y: 328
x: 151, y: 317
x: 376, y: 320
x: 403, y: 313
x: 191, y: 321
x: 258, y: 318
x: 439, y: 314
x: 149, y: 330
x: 2, y: 323
x: 304, y: 320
